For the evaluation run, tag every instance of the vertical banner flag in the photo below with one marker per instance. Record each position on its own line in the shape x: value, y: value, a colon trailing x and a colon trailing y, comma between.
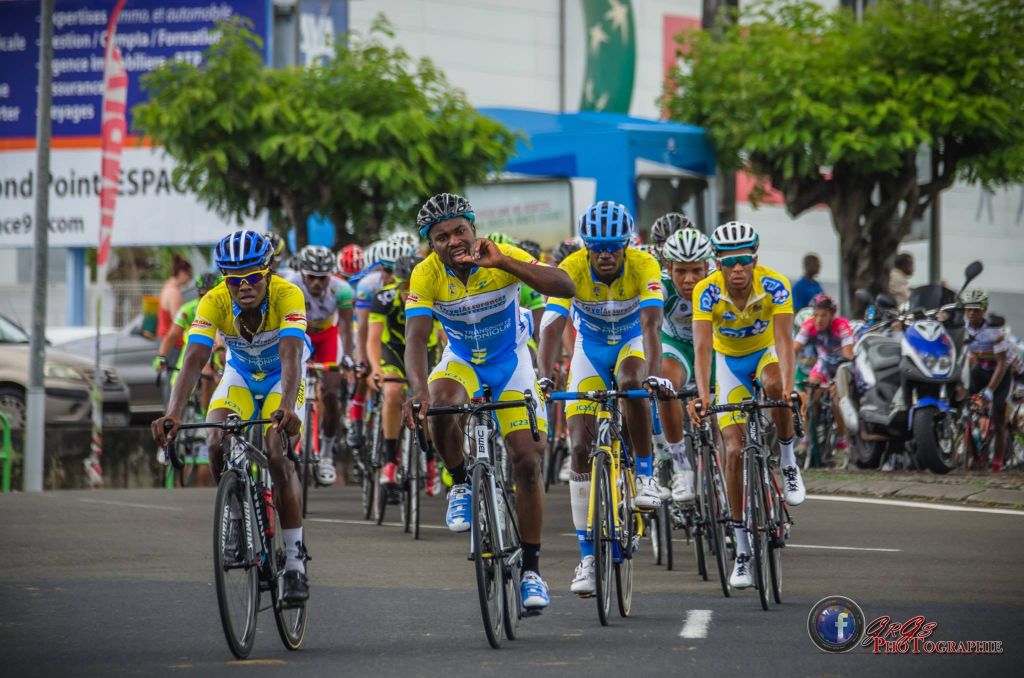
x: 113, y: 130
x: 611, y: 55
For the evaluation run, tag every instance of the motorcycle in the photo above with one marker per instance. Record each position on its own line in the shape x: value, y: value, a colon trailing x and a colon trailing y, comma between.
x: 900, y: 394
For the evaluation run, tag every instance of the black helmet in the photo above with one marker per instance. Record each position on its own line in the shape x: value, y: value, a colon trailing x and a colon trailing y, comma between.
x: 564, y: 249
x: 667, y: 224
x: 316, y: 260
x: 442, y: 207
x: 404, y: 266
x: 531, y: 247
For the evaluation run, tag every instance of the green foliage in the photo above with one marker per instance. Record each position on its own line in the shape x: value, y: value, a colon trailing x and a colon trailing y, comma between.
x: 835, y: 111
x: 363, y: 137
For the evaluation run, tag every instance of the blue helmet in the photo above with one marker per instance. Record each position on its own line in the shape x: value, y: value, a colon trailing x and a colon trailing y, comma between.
x: 242, y: 249
x: 606, y: 221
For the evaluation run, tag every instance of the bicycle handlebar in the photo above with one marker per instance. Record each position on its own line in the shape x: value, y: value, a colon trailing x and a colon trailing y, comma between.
x: 749, y: 406
x: 476, y: 408
x: 233, y: 425
x: 600, y: 395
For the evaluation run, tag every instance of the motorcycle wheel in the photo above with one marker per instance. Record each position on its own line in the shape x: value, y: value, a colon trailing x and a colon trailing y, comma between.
x: 935, y: 451
x: 867, y: 454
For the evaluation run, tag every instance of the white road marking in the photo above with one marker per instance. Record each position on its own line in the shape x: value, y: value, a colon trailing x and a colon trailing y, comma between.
x: 125, y: 503
x: 372, y: 523
x: 696, y: 625
x: 841, y: 548
x: 915, y: 504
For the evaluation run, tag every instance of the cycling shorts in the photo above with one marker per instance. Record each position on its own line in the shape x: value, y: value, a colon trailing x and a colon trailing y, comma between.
x: 823, y: 372
x: 325, y: 345
x: 979, y: 380
x: 593, y: 368
x: 509, y: 377
x: 734, y: 380
x: 681, y: 352
x: 239, y: 391
x: 392, y: 363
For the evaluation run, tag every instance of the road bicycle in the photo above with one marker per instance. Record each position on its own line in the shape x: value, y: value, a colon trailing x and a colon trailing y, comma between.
x: 765, y: 513
x: 495, y: 546
x: 410, y: 475
x: 614, y: 523
x: 248, y: 547
x: 557, y: 450
x: 973, y: 440
x: 821, y: 426
x: 190, y: 443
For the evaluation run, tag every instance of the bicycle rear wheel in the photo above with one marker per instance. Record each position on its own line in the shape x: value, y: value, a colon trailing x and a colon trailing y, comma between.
x: 776, y: 541
x: 383, y: 491
x: 756, y: 528
x: 513, y: 572
x: 602, y: 533
x: 693, y: 517
x: 414, y: 479
x: 487, y: 560
x: 290, y: 620
x: 235, y: 573
x: 307, y: 455
x: 629, y: 529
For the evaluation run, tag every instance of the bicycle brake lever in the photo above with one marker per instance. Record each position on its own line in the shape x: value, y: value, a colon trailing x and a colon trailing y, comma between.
x: 798, y: 424
x: 172, y: 450
x: 531, y: 415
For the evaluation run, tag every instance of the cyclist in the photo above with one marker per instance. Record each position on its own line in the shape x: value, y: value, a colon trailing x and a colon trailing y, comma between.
x: 558, y: 255
x: 746, y: 311
x: 685, y: 253
x: 666, y: 225
x: 328, y: 324
x: 350, y: 262
x: 370, y: 280
x: 211, y: 371
x: 277, y: 259
x: 617, y: 311
x: 386, y: 351
x: 988, y: 353
x: 832, y: 337
x: 262, y: 318
x: 472, y: 286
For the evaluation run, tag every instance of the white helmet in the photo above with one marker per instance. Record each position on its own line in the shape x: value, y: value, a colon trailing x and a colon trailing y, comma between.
x: 687, y: 245
x: 389, y: 251
x: 735, y: 235
x: 370, y: 253
x: 404, y: 237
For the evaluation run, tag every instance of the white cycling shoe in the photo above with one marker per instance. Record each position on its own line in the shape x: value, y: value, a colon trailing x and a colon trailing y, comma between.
x: 682, y: 487
x: 648, y: 494
x: 325, y: 472
x: 741, y: 577
x: 565, y: 472
x: 585, y: 582
x: 793, y: 486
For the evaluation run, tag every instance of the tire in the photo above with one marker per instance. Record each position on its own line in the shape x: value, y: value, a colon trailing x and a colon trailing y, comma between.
x: 487, y: 561
x: 756, y: 528
x: 290, y: 621
x: 602, y: 534
x: 513, y: 609
x: 776, y: 542
x: 867, y: 454
x: 666, y: 537
x: 714, y: 522
x: 697, y: 531
x: 654, y: 529
x: 934, y: 451
x: 306, y: 459
x: 415, y: 480
x: 12, y: 403
x: 238, y: 589
x: 629, y: 524
x: 381, y: 503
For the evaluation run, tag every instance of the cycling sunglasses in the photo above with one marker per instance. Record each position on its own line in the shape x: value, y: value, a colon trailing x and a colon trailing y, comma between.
x: 605, y: 247
x: 251, y: 279
x: 741, y: 259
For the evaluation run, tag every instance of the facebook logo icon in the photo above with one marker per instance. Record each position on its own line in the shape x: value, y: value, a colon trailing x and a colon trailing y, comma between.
x: 836, y: 624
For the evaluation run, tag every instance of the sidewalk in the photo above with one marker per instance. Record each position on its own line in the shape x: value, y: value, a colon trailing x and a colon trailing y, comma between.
x: 1003, y: 490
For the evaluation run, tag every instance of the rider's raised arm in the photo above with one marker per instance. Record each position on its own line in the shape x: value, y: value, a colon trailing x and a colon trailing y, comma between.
x: 549, y: 281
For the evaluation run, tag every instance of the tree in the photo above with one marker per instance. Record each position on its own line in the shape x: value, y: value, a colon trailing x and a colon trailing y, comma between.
x: 835, y: 112
x: 363, y: 137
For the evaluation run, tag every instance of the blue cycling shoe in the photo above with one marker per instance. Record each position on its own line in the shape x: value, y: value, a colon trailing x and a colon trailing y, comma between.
x: 460, y: 503
x: 534, y: 592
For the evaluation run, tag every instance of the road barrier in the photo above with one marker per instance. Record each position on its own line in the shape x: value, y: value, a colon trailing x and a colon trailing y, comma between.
x: 6, y: 453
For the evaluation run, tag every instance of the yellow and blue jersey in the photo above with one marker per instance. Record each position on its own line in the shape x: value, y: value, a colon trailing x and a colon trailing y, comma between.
x: 284, y: 315
x: 742, y: 332
x: 481, y: 318
x: 610, y: 314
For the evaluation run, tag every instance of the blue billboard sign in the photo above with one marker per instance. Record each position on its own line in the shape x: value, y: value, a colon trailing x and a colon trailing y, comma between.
x: 149, y: 33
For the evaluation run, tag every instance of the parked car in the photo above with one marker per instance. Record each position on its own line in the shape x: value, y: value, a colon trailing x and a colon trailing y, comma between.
x: 68, y: 379
x: 131, y: 353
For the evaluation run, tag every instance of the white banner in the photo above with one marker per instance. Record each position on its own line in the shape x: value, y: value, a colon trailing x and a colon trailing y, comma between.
x: 535, y: 210
x: 151, y: 211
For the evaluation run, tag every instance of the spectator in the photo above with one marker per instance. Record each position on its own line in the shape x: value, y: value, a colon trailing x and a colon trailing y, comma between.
x: 806, y: 288
x: 899, y: 277
x: 171, y: 296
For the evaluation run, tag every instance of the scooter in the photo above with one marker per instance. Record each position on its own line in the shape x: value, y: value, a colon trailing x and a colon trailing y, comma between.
x: 900, y: 394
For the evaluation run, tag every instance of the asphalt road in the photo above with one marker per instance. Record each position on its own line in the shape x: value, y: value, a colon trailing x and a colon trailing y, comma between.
x: 120, y: 583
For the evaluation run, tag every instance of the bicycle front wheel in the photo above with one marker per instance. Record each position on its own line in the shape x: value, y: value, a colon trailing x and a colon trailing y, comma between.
x: 290, y: 620
x: 603, y: 534
x: 307, y: 457
x: 487, y: 557
x: 714, y: 520
x: 235, y: 573
x: 756, y: 528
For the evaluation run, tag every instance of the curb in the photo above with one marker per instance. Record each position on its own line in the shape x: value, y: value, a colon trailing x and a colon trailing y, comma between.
x: 894, y: 489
